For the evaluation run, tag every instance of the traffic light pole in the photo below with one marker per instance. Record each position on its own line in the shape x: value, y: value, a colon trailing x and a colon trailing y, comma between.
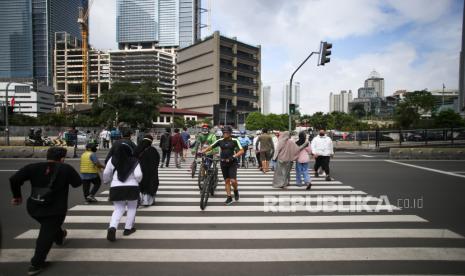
x: 290, y: 90
x: 7, y: 123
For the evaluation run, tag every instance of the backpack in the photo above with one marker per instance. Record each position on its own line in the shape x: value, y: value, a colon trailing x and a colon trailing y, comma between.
x: 165, y: 143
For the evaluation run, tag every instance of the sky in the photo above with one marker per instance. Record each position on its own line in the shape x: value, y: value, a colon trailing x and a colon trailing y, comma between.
x: 412, y: 44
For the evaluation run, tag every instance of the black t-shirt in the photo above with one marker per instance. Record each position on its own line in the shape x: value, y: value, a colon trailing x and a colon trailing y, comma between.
x: 228, y: 147
x: 39, y: 175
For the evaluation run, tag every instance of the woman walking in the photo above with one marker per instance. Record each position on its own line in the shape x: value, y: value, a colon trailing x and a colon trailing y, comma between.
x: 149, y: 159
x: 285, y: 153
x: 124, y: 173
x: 303, y: 161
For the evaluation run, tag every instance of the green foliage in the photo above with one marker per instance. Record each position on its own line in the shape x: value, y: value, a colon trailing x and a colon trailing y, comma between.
x: 448, y: 118
x: 406, y: 115
x: 358, y: 110
x: 256, y: 120
x: 179, y: 122
x: 421, y: 101
x: 137, y: 104
x: 22, y: 120
x: 191, y: 123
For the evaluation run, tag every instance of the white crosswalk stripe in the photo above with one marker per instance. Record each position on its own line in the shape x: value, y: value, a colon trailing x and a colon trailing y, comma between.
x: 262, y: 217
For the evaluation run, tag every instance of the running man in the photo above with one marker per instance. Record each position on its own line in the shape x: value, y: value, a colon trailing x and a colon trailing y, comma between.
x: 231, y: 149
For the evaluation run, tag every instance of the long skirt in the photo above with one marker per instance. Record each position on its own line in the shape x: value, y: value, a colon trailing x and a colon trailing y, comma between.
x: 281, y: 174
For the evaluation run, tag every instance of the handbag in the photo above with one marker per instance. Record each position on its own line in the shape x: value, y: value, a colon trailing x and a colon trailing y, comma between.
x: 42, y: 195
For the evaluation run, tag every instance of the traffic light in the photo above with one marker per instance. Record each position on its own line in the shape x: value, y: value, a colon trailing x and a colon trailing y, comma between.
x: 325, y: 53
x: 292, y: 109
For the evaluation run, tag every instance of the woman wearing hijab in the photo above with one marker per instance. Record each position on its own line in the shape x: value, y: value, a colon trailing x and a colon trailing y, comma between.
x: 124, y: 173
x: 303, y: 161
x: 285, y: 154
x: 149, y: 159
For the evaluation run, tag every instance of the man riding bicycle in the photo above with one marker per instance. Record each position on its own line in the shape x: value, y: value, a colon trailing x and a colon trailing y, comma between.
x: 245, y: 143
x: 231, y: 149
x: 204, y: 140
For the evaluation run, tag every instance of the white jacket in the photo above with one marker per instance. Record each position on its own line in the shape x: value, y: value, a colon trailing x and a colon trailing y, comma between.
x: 322, y: 146
x: 110, y: 174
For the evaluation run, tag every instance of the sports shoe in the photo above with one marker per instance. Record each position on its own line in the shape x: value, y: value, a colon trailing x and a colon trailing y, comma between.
x: 236, y: 195
x: 34, y: 270
x: 128, y: 232
x: 228, y: 201
x: 328, y: 178
x: 63, y: 238
x: 309, y: 186
x: 111, y: 235
x: 91, y: 199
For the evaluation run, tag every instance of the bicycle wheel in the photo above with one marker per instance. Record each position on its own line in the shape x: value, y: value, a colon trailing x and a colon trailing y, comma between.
x: 193, y: 168
x: 201, y: 178
x: 205, y: 192
x: 215, y: 182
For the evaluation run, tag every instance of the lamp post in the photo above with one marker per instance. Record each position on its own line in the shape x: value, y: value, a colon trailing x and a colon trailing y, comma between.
x: 7, y: 125
x: 225, y: 111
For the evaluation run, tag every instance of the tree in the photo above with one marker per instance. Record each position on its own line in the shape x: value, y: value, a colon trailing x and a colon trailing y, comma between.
x: 137, y: 104
x: 422, y: 101
x: 255, y: 120
x: 358, y: 110
x: 179, y: 122
x: 191, y: 123
x: 406, y: 115
x: 448, y: 118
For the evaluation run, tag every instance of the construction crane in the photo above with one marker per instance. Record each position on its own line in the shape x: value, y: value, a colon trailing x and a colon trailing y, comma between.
x: 83, y: 21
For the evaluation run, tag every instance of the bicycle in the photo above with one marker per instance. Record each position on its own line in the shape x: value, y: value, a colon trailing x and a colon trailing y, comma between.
x: 250, y: 159
x: 210, y: 182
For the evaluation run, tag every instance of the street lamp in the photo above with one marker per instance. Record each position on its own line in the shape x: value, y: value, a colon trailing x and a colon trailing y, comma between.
x: 225, y: 111
x: 7, y: 131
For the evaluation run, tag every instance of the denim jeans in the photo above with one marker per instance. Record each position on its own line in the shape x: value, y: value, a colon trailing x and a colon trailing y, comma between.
x: 301, y: 170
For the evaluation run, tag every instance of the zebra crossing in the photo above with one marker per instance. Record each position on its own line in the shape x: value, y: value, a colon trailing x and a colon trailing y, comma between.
x: 332, y: 222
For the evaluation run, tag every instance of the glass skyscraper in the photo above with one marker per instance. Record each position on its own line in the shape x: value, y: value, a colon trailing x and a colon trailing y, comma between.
x: 16, y: 39
x: 166, y: 22
x: 27, y: 31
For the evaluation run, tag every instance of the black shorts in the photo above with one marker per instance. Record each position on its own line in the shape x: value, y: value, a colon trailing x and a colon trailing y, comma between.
x: 229, y: 170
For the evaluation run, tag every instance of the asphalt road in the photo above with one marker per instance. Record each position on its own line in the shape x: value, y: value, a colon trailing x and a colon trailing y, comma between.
x: 423, y: 235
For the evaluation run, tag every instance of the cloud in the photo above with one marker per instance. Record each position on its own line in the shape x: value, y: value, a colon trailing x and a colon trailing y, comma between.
x: 102, y: 24
x: 417, y: 43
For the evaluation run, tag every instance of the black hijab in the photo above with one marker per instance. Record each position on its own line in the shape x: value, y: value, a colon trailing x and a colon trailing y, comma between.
x: 124, y: 161
x: 302, y: 138
x: 149, y: 159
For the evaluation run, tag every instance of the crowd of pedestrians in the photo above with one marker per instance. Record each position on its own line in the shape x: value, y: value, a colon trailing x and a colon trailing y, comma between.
x: 132, y: 173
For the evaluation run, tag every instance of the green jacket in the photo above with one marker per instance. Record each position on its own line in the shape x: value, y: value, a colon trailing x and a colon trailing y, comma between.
x: 205, y: 139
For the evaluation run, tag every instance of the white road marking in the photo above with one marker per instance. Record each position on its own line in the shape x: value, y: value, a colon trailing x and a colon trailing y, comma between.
x: 250, y: 187
x: 241, y: 255
x: 364, y: 155
x: 260, y: 193
x: 426, y: 168
x: 253, y: 219
x: 318, y: 207
x: 260, y: 234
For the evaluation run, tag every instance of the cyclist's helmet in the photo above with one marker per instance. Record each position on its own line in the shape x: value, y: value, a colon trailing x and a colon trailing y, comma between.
x: 227, y: 129
x: 243, y: 132
x: 205, y: 128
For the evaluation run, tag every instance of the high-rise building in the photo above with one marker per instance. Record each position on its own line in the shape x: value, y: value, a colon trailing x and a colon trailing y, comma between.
x: 167, y: 23
x: 16, y: 40
x: 295, y: 96
x: 67, y: 79
x: 367, y: 92
x: 377, y: 82
x: 461, y: 102
x: 27, y: 33
x: 266, y: 100
x: 220, y: 76
x: 340, y: 103
x: 138, y: 65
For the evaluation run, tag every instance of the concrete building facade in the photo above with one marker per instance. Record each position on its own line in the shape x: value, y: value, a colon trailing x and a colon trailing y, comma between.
x: 377, y: 82
x: 67, y: 80
x: 29, y: 99
x: 137, y: 65
x: 340, y: 102
x: 295, y: 96
x: 265, y: 100
x: 220, y: 76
